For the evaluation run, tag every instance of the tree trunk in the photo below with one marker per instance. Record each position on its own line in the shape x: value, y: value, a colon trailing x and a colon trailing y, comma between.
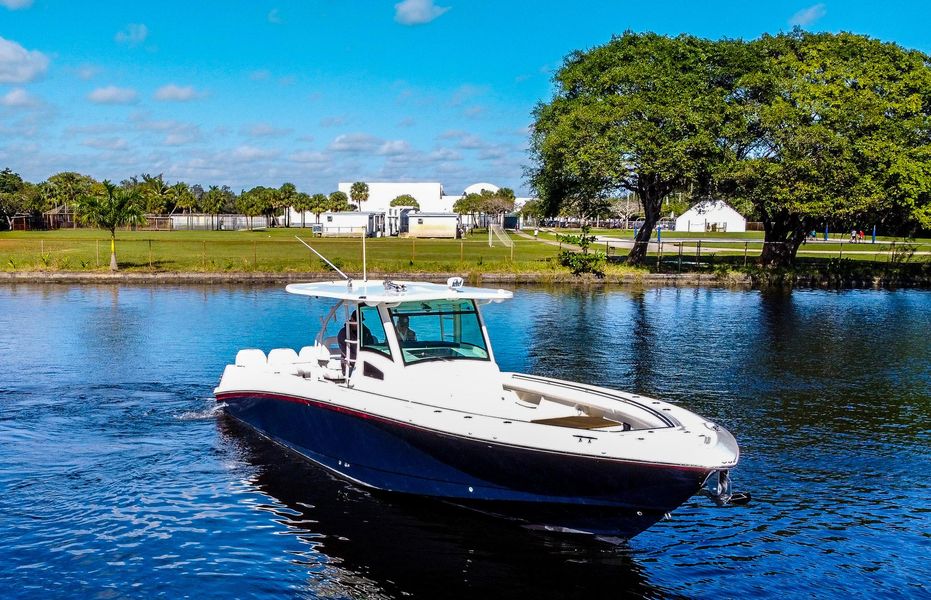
x: 652, y: 201
x: 783, y: 235
x: 113, y: 265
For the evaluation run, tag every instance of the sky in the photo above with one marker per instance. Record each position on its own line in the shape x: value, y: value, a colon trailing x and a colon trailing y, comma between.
x: 315, y: 92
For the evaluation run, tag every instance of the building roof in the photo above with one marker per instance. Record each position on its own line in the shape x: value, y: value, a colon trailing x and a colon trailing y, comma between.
x: 375, y: 291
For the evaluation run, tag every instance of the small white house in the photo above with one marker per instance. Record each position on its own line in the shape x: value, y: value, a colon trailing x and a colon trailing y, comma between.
x: 433, y: 225
x: 711, y: 215
x: 352, y: 223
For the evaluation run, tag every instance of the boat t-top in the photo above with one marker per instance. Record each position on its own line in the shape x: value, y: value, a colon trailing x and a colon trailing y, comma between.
x: 400, y: 392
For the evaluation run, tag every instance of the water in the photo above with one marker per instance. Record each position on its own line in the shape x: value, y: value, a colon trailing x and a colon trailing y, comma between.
x: 119, y: 478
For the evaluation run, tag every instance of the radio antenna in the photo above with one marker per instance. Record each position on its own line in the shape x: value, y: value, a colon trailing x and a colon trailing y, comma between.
x: 324, y: 259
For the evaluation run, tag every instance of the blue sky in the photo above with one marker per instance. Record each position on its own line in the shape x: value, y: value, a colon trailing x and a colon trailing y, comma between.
x: 316, y: 92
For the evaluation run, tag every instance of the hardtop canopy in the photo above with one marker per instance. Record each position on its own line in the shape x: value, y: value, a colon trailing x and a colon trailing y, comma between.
x: 382, y: 291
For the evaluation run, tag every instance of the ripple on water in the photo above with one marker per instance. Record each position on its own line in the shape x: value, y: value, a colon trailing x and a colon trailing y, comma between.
x: 119, y: 475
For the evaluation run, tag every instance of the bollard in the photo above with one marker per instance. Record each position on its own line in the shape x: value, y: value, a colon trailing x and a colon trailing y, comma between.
x: 461, y: 250
x: 841, y: 252
x: 98, y: 253
x: 413, y: 248
x: 205, y: 255
x: 150, y: 254
x: 698, y: 254
x: 745, y: 252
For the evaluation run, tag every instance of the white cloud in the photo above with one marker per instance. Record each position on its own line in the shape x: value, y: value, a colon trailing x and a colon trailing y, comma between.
x: 265, y: 130
x: 16, y: 4
x: 473, y: 111
x: 274, y: 17
x: 17, y: 97
x: 133, y: 35
x: 355, y: 142
x: 87, y: 72
x: 18, y: 65
x: 332, y: 121
x: 176, y: 93
x: 417, y: 12
x: 807, y: 16
x: 407, y: 122
x: 113, y: 95
x: 247, y: 153
x: 394, y: 148
x: 307, y: 156
x: 260, y: 75
x: 111, y: 143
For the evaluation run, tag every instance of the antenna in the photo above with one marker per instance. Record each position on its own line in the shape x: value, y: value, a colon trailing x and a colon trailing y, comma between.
x: 365, y: 232
x: 324, y: 259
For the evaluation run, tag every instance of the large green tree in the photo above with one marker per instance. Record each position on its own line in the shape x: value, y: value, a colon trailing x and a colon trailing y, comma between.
x: 406, y: 200
x: 113, y: 207
x: 834, y: 128
x: 359, y: 192
x: 642, y: 113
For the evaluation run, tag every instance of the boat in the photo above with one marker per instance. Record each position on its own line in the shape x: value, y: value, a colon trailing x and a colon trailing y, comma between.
x: 400, y: 392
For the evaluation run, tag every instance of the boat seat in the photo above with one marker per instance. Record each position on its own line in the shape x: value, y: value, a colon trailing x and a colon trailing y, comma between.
x: 333, y: 370
x: 251, y: 357
x: 282, y: 360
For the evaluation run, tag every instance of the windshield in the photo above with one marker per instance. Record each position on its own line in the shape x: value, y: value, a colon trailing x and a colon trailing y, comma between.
x: 439, y: 330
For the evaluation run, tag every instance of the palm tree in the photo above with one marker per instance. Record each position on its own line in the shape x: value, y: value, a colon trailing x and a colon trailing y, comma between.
x: 359, y: 192
x: 115, y: 208
x: 287, y: 194
x: 319, y: 205
x: 183, y: 198
x: 303, y: 203
x: 156, y: 193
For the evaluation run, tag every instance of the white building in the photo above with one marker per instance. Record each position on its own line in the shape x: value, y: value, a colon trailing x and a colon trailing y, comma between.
x: 429, y: 195
x: 711, y: 215
x: 433, y: 225
x: 353, y: 223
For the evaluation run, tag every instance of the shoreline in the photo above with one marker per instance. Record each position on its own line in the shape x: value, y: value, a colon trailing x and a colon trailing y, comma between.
x: 729, y: 279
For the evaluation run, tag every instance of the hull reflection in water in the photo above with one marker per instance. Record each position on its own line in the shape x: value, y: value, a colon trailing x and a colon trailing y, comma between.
x: 376, y: 545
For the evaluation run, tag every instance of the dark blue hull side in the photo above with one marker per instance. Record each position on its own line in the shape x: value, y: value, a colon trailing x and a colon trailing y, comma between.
x: 549, y: 489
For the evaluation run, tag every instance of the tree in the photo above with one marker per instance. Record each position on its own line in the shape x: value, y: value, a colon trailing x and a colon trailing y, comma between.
x: 302, y: 203
x: 12, y: 196
x: 287, y: 195
x: 64, y: 189
x: 255, y: 202
x: 217, y: 200
x: 834, y: 128
x: 319, y: 204
x: 113, y: 208
x: 359, y: 192
x: 642, y: 113
x: 156, y: 193
x: 183, y: 197
x: 339, y: 201
x: 406, y: 200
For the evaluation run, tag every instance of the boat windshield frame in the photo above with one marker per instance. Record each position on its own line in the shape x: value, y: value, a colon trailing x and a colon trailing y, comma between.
x: 408, y: 358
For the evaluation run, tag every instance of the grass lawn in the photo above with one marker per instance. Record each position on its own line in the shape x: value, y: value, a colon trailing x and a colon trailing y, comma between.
x: 276, y: 250
x: 272, y: 250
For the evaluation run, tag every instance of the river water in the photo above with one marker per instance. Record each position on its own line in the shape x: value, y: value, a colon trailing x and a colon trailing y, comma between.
x: 118, y: 478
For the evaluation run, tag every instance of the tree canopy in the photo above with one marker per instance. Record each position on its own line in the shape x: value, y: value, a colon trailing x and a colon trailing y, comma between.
x: 112, y: 207
x: 806, y: 128
x: 359, y: 192
x: 406, y: 200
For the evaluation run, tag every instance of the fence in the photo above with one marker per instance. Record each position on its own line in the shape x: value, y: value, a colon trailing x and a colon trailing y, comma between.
x: 237, y: 252
x: 700, y: 254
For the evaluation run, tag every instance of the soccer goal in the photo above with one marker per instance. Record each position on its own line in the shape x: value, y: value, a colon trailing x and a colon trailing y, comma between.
x: 496, y: 232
